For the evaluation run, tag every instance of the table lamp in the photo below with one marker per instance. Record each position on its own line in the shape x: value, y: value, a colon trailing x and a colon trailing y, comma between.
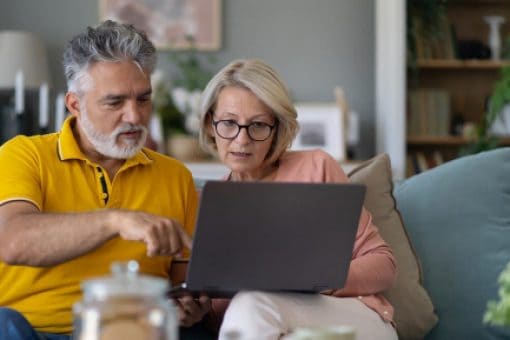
x: 23, y: 65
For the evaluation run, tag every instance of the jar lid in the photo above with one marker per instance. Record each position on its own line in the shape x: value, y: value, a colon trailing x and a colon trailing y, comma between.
x: 125, y: 281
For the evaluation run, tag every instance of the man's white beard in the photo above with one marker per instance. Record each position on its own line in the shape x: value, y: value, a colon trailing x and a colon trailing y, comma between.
x: 107, y: 144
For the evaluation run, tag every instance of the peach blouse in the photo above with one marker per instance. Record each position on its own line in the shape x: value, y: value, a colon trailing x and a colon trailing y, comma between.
x: 373, y: 267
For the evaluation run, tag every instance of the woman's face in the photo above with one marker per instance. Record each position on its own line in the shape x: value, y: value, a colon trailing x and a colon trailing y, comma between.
x: 243, y: 155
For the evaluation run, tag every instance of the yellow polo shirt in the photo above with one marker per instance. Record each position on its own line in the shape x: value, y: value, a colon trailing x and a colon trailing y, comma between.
x: 51, y: 172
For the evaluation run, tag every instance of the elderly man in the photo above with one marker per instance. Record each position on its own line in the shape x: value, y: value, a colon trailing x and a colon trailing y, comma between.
x: 73, y: 202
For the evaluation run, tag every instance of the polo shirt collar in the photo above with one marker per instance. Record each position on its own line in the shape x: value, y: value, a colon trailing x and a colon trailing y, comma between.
x: 68, y: 148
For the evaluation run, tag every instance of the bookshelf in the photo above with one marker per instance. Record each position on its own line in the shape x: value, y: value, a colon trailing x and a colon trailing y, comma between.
x: 467, y: 84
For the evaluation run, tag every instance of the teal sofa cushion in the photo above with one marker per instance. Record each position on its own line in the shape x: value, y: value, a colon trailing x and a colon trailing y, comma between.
x: 458, y: 218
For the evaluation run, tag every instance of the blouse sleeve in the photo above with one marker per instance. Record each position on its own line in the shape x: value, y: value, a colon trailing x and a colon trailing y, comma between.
x: 373, y: 268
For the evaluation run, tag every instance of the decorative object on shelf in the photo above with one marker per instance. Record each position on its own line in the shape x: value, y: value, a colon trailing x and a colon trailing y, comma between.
x: 473, y: 49
x: 169, y: 23
x: 321, y: 126
x: 494, y: 22
x: 185, y: 148
x: 484, y: 139
x: 498, y: 312
x: 350, y: 122
x: 501, y: 125
x: 498, y: 119
x: 23, y: 68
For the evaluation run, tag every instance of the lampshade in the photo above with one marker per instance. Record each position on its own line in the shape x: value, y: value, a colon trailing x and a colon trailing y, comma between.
x: 26, y: 52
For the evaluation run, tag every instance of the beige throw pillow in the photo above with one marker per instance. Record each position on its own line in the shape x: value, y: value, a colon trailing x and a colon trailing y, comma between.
x: 414, y: 312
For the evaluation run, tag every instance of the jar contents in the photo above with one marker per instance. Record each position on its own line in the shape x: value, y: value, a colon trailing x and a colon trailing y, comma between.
x: 126, y: 306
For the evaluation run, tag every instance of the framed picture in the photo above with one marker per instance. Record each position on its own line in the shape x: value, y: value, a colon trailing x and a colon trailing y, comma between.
x: 320, y: 127
x: 170, y: 23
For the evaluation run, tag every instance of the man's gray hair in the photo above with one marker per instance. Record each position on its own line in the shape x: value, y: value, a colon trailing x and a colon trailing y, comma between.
x: 110, y: 41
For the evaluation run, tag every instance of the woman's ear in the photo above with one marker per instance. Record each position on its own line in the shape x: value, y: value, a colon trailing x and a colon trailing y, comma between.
x: 208, y: 124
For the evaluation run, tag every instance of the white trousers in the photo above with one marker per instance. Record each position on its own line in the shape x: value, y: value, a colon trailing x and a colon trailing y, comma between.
x: 259, y: 315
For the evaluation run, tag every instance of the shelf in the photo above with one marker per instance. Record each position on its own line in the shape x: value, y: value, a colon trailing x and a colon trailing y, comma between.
x: 445, y: 141
x: 478, y: 2
x: 461, y: 64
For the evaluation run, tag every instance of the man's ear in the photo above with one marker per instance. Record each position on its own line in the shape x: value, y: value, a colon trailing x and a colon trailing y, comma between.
x: 73, y: 104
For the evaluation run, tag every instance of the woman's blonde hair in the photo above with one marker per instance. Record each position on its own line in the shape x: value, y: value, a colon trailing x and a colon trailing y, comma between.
x: 265, y: 83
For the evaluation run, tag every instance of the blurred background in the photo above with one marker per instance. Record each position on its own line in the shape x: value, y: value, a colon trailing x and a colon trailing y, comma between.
x: 314, y: 45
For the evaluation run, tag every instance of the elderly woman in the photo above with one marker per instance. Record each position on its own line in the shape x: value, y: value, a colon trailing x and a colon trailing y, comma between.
x: 249, y: 122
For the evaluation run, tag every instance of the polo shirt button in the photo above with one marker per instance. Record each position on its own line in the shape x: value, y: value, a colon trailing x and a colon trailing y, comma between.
x: 104, y: 195
x: 385, y: 312
x: 360, y: 297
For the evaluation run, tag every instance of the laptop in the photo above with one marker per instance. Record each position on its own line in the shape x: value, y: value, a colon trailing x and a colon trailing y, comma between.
x: 285, y: 237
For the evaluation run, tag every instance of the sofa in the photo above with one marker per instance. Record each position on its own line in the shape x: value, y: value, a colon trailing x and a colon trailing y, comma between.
x: 457, y: 216
x: 449, y: 229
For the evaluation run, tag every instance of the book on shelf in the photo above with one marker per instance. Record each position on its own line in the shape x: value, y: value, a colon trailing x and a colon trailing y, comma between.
x: 428, y: 112
x: 412, y: 165
x: 418, y: 162
x: 438, y: 158
x: 422, y: 161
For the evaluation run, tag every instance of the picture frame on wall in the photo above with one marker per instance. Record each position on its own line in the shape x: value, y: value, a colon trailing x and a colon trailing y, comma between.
x: 321, y: 127
x: 170, y: 24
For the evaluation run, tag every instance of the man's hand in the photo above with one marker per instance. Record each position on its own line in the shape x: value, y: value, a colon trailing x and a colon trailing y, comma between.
x: 192, y: 310
x: 163, y: 236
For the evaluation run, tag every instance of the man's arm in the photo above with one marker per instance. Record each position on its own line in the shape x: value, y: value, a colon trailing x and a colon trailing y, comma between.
x: 29, y: 237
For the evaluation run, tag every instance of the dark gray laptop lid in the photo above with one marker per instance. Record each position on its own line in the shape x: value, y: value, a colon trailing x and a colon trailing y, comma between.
x: 273, y: 236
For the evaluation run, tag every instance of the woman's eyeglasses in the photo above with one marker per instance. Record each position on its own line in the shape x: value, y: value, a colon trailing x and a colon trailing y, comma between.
x: 230, y: 129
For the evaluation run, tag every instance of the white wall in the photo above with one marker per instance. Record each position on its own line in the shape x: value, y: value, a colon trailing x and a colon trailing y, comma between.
x: 391, y: 82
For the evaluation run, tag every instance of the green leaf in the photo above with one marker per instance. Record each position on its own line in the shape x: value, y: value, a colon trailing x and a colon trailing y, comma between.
x: 498, y: 312
x: 193, y: 71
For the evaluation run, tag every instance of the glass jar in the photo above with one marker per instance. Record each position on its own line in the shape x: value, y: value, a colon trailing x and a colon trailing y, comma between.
x: 125, y: 306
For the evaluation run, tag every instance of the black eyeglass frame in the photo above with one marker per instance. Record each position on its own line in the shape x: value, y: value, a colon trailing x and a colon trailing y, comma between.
x: 240, y: 127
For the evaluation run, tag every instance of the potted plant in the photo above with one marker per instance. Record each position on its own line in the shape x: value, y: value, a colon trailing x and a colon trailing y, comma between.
x: 428, y: 15
x: 499, y: 102
x: 191, y: 76
x: 178, y: 103
x: 172, y: 120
